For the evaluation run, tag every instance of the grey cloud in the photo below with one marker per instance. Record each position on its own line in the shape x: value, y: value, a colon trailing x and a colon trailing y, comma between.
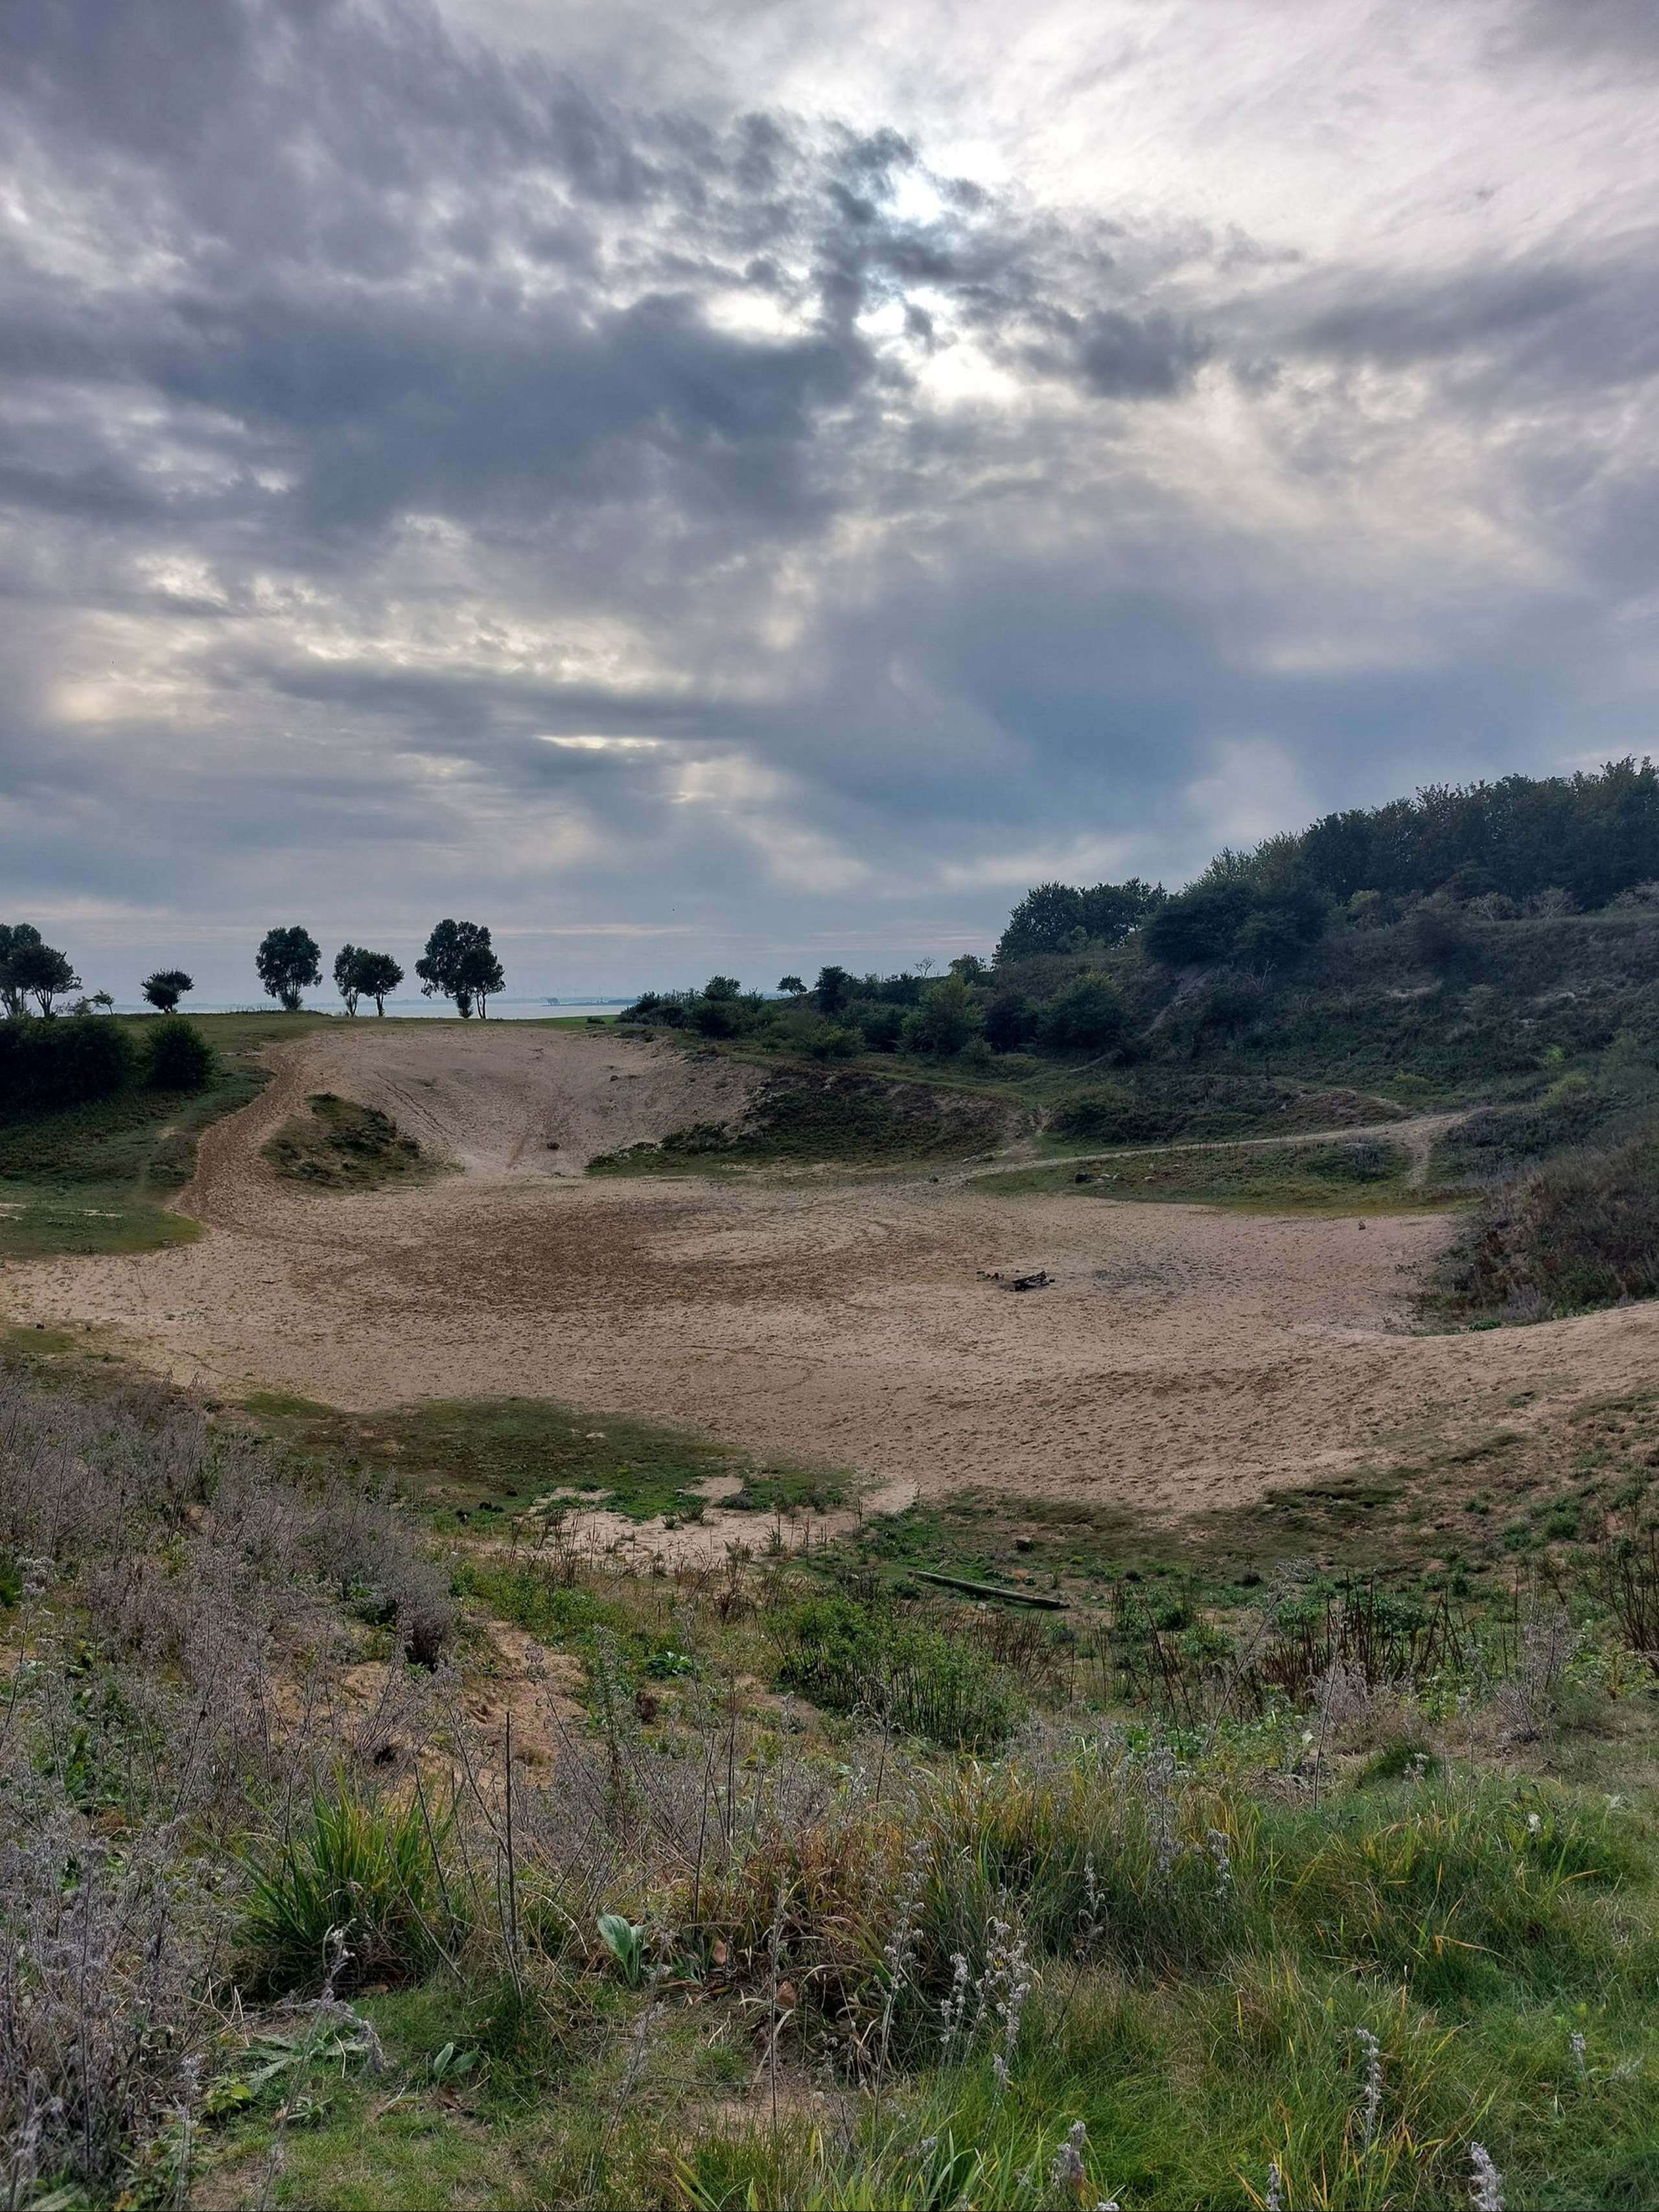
x: 380, y: 406
x: 1593, y: 32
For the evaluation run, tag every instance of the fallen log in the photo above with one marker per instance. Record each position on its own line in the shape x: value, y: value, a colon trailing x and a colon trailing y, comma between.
x: 992, y: 1589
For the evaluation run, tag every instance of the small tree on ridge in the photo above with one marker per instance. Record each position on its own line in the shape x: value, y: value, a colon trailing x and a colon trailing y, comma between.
x: 166, y: 987
x: 361, y: 973
x: 288, y: 962
x: 460, y: 963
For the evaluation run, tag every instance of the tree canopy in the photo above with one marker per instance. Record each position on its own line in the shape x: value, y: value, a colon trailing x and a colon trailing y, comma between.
x: 460, y: 963
x: 31, y: 968
x: 1057, y: 918
x: 166, y: 987
x: 288, y: 962
x: 374, y: 975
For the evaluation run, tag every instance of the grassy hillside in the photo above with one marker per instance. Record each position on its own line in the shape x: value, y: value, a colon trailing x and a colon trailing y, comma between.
x: 1283, y: 991
x: 96, y: 1177
x: 803, y: 1116
x: 338, y: 1145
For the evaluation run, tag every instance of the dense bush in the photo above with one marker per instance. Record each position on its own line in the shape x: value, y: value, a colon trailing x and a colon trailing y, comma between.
x: 1229, y: 918
x: 852, y: 1658
x: 1053, y: 917
x: 45, y: 1065
x: 178, y: 1057
x: 1011, y: 1021
x: 1088, y: 1016
x: 947, y: 1018
x: 1579, y: 1234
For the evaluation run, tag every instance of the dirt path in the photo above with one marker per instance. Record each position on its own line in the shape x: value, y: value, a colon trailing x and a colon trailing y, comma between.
x: 1183, y: 1357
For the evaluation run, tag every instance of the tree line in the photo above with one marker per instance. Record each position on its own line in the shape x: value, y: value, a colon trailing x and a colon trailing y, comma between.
x: 459, y: 962
x: 1112, y: 970
x: 1538, y: 844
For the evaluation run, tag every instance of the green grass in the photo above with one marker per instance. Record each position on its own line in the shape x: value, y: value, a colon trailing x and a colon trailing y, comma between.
x: 1351, y: 1176
x: 95, y: 1178
x: 481, y: 1458
x: 872, y: 1660
x: 49, y: 1221
x: 347, y: 1862
x: 341, y: 1146
x: 1201, y: 2026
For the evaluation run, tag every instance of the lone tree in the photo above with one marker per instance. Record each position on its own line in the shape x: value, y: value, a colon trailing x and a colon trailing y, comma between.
x: 345, y: 975
x: 31, y: 968
x: 16, y: 937
x: 460, y: 963
x: 288, y: 962
x: 166, y: 987
x: 377, y: 974
x: 361, y: 973
x: 792, y: 986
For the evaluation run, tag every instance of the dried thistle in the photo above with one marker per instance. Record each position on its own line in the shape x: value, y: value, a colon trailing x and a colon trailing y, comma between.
x: 1486, y: 2183
x: 1370, y: 2110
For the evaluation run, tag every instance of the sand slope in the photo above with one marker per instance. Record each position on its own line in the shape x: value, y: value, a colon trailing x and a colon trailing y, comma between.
x: 1183, y: 1357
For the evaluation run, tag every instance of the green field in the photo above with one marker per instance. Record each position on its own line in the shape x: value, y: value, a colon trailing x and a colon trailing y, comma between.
x: 477, y: 1458
x: 1348, y: 1176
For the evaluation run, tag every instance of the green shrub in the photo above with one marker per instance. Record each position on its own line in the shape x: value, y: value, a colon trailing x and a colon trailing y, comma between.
x: 349, y: 1864
x: 178, y: 1057
x: 850, y: 1658
x: 1089, y: 1016
x: 45, y: 1065
x: 1580, y: 1234
x: 1107, y: 1117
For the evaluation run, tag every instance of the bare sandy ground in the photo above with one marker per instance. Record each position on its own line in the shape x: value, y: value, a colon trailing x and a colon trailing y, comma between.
x: 1184, y: 1357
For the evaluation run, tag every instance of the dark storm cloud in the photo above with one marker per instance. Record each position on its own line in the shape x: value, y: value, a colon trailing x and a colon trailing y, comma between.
x: 1593, y: 31
x: 1533, y: 320
x: 380, y: 407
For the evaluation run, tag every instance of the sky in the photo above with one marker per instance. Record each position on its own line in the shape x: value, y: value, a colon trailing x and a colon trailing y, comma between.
x: 743, y: 483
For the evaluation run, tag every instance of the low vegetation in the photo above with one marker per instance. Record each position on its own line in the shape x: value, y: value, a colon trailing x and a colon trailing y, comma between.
x: 338, y: 1144
x: 799, y: 1119
x: 487, y: 1459
x: 95, y: 1177
x: 1360, y: 1175
x: 775, y: 1883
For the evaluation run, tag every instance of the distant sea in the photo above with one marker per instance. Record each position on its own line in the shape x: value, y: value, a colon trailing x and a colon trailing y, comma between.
x: 501, y: 1010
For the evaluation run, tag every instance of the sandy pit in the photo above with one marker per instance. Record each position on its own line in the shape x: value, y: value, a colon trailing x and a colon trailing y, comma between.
x: 1183, y: 1357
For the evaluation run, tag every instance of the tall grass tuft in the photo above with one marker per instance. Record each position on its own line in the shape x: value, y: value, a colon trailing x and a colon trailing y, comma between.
x: 353, y: 1866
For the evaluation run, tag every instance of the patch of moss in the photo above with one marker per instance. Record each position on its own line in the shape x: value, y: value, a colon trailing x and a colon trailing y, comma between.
x: 476, y: 1458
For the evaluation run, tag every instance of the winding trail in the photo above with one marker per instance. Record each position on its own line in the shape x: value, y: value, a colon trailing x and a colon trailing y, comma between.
x: 1184, y: 1356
